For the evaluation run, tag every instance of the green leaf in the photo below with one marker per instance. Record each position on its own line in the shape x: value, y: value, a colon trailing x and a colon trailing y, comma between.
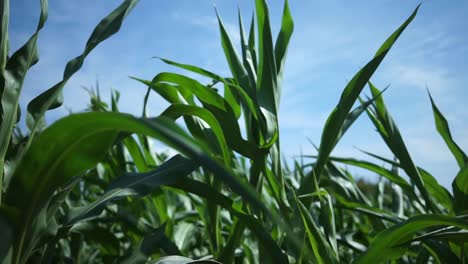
x: 389, y: 175
x: 136, y: 153
x: 80, y: 141
x: 460, y: 190
x: 52, y: 98
x: 322, y: 249
x: 134, y: 184
x: 176, y: 110
x: 248, y: 57
x: 349, y: 96
x: 218, y: 106
x: 390, y: 133
x: 234, y: 62
x: 387, y: 244
x: 438, y: 192
x: 354, y: 114
x: 282, y: 41
x: 444, y: 131
x: 267, y: 87
x: 12, y: 76
x: 327, y: 220
x: 251, y: 43
x: 207, y: 192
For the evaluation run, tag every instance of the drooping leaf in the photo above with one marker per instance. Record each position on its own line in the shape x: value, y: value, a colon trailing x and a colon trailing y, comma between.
x: 137, y: 184
x: 387, y: 244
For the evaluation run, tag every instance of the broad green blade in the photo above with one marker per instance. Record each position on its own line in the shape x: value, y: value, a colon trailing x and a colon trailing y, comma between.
x: 218, y: 106
x: 349, y: 96
x: 134, y: 184
x: 387, y: 244
x: 236, y: 89
x: 205, y: 95
x: 176, y: 110
x: 86, y: 138
x: 80, y: 141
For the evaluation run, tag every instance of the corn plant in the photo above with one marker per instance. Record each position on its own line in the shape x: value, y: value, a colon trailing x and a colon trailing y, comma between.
x: 92, y: 188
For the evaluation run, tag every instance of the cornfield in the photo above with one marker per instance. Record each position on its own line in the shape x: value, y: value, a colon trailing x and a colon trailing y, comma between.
x: 89, y: 188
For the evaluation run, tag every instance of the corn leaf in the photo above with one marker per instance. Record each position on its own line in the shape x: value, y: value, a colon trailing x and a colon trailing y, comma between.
x: 323, y: 251
x: 387, y: 244
x: 134, y: 184
x: 444, y: 131
x: 348, y: 97
x: 52, y: 98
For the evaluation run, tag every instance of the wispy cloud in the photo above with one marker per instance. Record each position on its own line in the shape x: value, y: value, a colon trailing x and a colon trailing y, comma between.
x: 421, y: 76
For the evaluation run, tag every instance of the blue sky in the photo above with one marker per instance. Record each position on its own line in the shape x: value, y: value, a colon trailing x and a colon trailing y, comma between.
x: 332, y: 40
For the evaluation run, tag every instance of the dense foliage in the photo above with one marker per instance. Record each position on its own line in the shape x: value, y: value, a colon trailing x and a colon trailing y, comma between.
x: 90, y: 188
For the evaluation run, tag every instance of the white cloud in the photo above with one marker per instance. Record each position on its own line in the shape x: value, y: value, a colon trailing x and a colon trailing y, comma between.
x: 436, y: 78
